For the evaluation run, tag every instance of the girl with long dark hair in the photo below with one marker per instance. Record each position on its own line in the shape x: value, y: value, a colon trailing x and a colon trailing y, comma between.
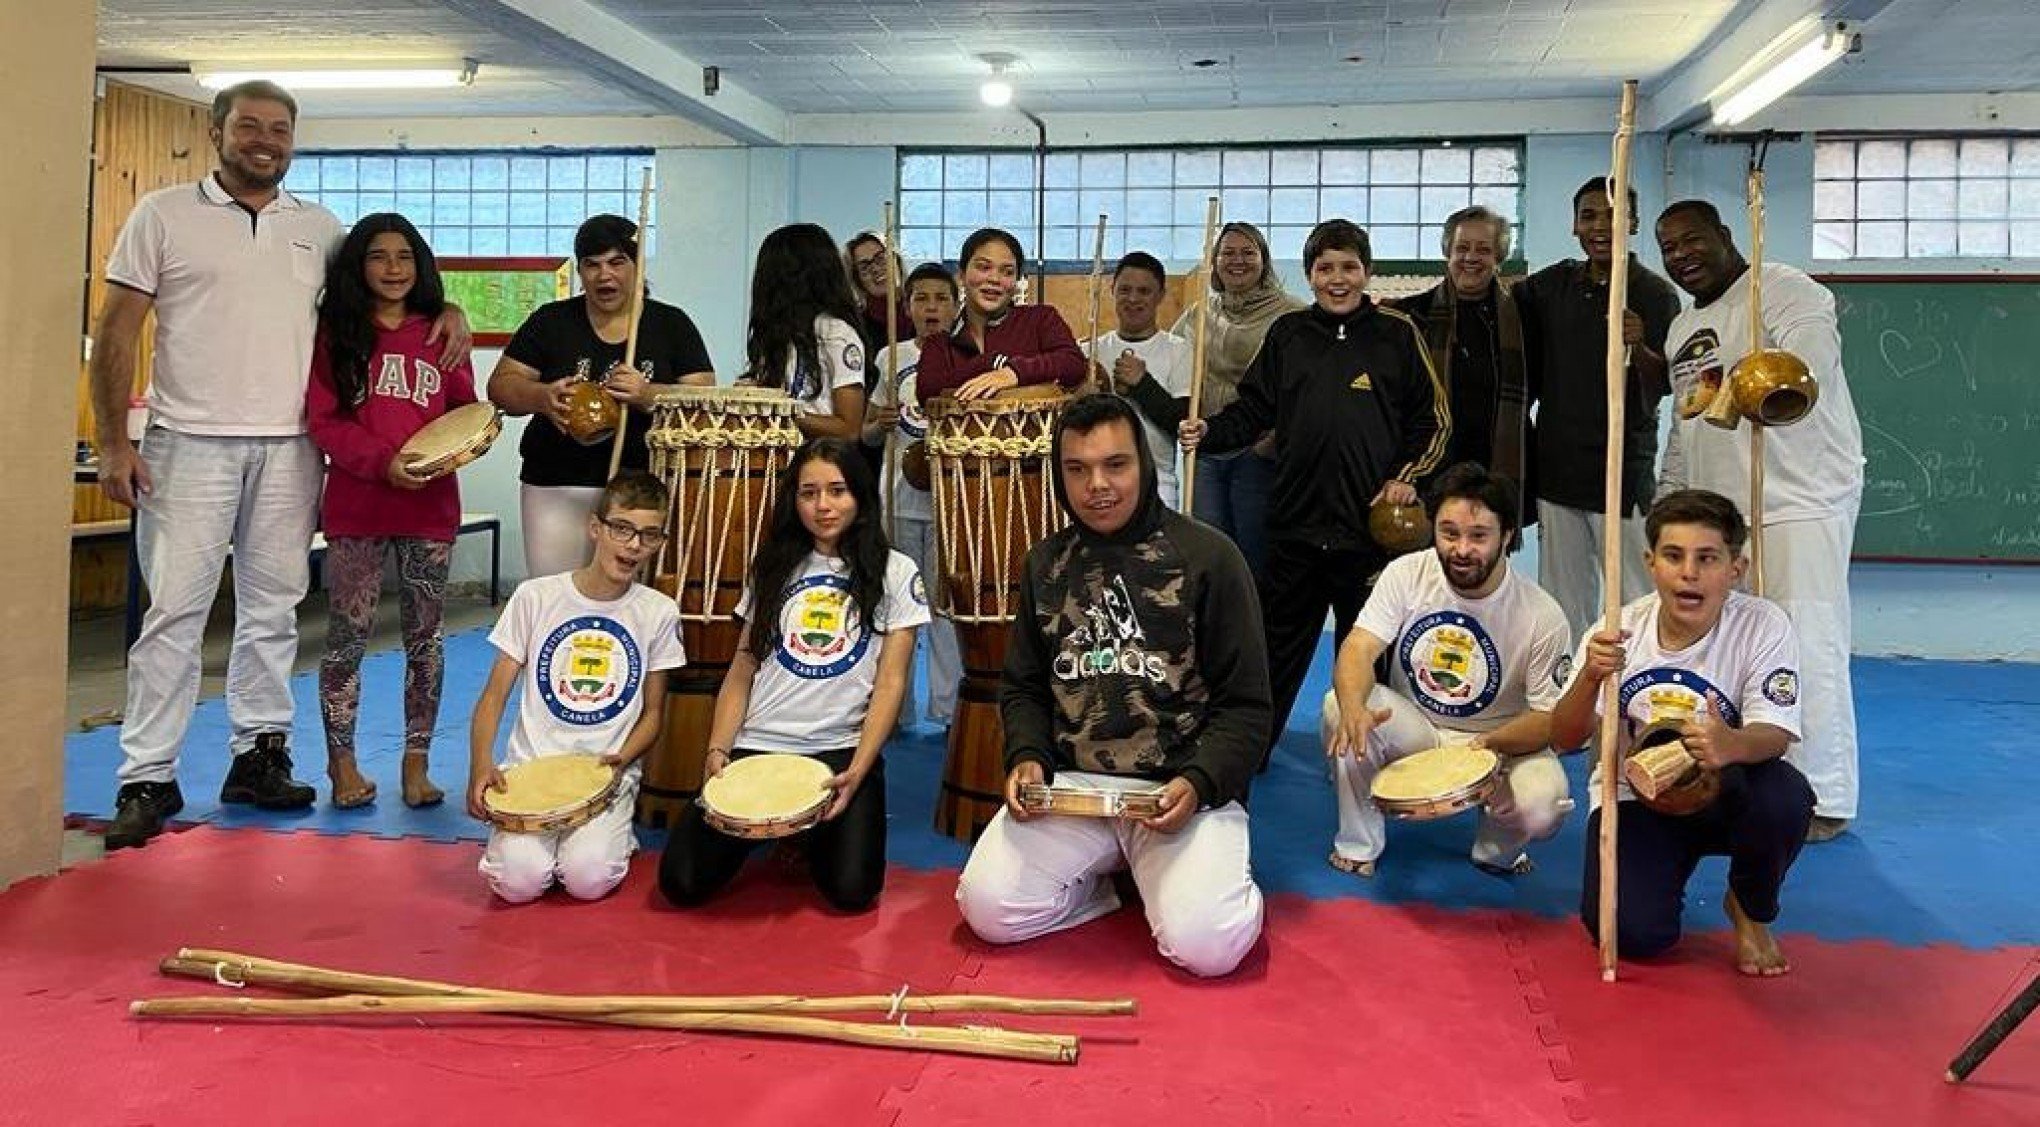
x: 997, y: 345
x: 803, y: 336
x: 374, y: 384
x: 829, y: 619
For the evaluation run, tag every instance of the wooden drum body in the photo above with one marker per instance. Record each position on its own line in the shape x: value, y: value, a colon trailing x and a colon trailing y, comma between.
x: 721, y: 452
x: 994, y: 499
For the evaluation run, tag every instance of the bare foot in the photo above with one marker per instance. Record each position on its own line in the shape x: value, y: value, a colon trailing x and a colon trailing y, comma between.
x: 418, y: 789
x: 1756, y: 950
x: 349, y: 788
x: 1352, y: 866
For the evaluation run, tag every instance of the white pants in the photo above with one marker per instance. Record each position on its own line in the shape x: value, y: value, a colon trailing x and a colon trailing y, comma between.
x: 1806, y: 571
x: 259, y: 496
x: 1569, y: 562
x: 916, y: 538
x: 1529, y: 803
x: 589, y: 861
x: 556, y: 526
x: 1026, y: 879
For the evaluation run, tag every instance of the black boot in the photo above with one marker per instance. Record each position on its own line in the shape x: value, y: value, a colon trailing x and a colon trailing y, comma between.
x: 142, y: 808
x: 261, y: 776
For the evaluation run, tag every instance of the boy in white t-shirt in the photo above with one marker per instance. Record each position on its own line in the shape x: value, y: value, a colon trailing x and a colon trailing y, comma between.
x: 895, y: 423
x: 589, y: 650
x: 1727, y: 665
x: 1478, y: 655
x: 1146, y: 363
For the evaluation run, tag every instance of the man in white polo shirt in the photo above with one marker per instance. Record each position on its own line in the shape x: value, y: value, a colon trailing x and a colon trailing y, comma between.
x: 232, y: 266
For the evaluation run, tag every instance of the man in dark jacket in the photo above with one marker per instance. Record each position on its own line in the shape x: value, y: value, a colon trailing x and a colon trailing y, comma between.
x: 1359, y: 416
x: 1135, y: 665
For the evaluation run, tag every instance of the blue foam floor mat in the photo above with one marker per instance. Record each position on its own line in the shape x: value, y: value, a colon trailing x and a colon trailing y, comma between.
x: 1940, y: 855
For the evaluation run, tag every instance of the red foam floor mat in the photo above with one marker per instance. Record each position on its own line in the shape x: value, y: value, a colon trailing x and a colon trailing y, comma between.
x: 1349, y: 1012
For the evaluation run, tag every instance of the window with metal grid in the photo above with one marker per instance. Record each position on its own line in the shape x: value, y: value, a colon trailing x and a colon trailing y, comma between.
x: 479, y: 202
x: 1154, y: 199
x: 1944, y: 196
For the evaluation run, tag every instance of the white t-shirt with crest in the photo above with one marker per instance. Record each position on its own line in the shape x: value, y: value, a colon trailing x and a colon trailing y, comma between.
x: 585, y: 663
x: 1749, y: 661
x: 1472, y: 665
x: 812, y: 691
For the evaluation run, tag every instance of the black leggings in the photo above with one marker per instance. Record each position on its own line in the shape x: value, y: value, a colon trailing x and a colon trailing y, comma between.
x: 1759, y: 823
x: 846, y: 856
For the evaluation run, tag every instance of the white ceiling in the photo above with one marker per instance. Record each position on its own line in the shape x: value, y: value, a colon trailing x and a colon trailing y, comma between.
x: 876, y: 56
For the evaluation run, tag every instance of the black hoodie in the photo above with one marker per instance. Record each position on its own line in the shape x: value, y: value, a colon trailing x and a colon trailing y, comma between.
x: 1138, y: 653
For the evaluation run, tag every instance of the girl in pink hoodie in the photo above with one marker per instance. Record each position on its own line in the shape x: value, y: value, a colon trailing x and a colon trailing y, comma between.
x: 374, y: 383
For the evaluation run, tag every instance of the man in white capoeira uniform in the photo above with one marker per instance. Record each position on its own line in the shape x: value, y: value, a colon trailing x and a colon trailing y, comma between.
x: 1136, y: 661
x: 1478, y: 654
x: 1813, y: 471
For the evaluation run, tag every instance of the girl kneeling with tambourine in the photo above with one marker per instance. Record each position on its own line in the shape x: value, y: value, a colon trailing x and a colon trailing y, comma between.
x: 812, y: 694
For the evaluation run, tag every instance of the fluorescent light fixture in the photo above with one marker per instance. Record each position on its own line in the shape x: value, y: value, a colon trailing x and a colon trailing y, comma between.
x: 1778, y: 70
x: 387, y: 76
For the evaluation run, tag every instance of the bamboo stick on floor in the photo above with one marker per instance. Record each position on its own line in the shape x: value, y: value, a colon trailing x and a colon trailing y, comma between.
x: 370, y: 995
x: 257, y: 971
x: 1051, y: 1048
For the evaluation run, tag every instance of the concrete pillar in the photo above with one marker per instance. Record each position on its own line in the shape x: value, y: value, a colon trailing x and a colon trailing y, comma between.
x: 47, y: 56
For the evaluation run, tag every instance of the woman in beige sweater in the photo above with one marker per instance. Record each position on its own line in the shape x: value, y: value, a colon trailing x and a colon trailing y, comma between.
x: 1246, y: 297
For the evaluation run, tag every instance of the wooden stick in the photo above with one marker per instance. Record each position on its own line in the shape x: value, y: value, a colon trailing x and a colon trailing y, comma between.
x: 1199, y: 286
x: 1992, y: 1035
x: 1756, y: 205
x: 892, y: 357
x: 1611, y: 525
x: 1052, y: 1048
x: 1097, y: 268
x: 266, y: 972
x: 637, y: 312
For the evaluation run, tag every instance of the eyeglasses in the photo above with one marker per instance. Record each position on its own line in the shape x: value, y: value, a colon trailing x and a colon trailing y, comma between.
x: 624, y: 532
x: 873, y: 265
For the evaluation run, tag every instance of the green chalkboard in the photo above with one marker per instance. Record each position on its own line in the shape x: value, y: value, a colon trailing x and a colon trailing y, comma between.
x: 497, y: 294
x: 1945, y: 372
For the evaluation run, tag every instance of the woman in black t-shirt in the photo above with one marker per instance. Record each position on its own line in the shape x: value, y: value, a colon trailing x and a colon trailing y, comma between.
x: 582, y: 338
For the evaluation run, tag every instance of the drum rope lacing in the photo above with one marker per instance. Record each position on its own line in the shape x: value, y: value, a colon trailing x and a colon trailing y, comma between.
x: 728, y: 433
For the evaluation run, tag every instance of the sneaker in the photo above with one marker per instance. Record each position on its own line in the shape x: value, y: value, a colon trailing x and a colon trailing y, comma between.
x: 142, y: 808
x: 260, y: 776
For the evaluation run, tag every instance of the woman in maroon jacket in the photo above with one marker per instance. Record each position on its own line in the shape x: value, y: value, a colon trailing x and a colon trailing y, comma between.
x: 374, y: 383
x: 995, y: 344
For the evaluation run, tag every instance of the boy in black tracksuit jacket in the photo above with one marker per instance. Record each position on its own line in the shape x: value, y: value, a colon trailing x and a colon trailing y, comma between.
x: 1356, y: 407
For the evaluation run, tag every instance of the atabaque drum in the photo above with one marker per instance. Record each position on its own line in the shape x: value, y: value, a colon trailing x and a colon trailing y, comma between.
x: 721, y: 453
x: 994, y: 499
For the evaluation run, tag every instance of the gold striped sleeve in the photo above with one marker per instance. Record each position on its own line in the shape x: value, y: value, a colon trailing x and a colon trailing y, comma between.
x: 1441, y: 406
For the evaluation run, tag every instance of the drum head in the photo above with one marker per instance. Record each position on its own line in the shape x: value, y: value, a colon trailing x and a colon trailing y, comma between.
x: 1436, y: 773
x: 451, y: 434
x: 550, y: 785
x: 766, y: 791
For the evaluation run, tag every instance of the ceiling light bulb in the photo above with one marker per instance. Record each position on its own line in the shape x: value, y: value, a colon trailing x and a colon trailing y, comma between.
x: 996, y: 92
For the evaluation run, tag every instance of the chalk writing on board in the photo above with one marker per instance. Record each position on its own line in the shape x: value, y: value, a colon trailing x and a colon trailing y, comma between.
x: 1897, y: 481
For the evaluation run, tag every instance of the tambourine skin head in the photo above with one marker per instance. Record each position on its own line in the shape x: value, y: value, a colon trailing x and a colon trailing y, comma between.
x: 1399, y: 528
x: 1773, y: 387
x: 592, y: 416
